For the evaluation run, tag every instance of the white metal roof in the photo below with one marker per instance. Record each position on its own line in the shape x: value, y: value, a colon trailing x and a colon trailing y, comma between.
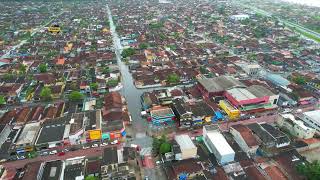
x: 184, y: 141
x: 314, y: 115
x: 28, y: 134
x: 220, y: 143
x: 241, y: 94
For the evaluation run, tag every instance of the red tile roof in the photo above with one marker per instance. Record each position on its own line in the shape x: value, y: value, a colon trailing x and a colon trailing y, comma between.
x: 246, y: 134
x: 275, y: 173
x: 254, y: 174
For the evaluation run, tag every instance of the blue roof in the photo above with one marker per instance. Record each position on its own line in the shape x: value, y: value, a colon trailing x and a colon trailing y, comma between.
x: 277, y: 79
x: 218, y: 115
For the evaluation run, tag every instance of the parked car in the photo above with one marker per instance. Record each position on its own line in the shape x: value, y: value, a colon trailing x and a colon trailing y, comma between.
x: 94, y: 145
x: 86, y: 147
x: 53, y: 152
x: 104, y: 144
x: 21, y: 157
x: 114, y: 142
x: 61, y: 153
x: 44, y: 153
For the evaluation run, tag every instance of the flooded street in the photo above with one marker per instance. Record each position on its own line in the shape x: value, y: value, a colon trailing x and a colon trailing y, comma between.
x: 129, y: 91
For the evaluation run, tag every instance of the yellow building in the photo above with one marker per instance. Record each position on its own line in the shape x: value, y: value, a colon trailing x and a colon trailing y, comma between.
x: 232, y: 112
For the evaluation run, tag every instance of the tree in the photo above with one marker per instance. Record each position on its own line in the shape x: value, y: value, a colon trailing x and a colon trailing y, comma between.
x: 173, y: 78
x: 8, y: 76
x: 94, y: 86
x: 106, y: 70
x: 203, y: 70
x: 112, y: 83
x: 2, y: 100
x: 46, y: 94
x: 164, y: 148
x: 156, y: 146
x: 22, y: 68
x: 127, y: 52
x: 143, y: 45
x: 43, y: 68
x: 310, y: 170
x: 160, y: 145
x: 221, y: 9
x: 75, y: 96
x: 299, y: 80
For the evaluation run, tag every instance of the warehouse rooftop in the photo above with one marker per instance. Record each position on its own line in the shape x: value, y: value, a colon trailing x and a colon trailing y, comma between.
x: 184, y: 141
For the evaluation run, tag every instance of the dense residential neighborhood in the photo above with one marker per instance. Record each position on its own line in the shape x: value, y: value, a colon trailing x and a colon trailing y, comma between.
x: 159, y: 89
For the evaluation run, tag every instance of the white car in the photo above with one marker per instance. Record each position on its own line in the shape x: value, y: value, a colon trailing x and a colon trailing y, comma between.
x: 21, y: 157
x: 53, y: 152
x: 114, y: 142
x: 104, y: 144
x: 85, y: 147
x: 94, y: 145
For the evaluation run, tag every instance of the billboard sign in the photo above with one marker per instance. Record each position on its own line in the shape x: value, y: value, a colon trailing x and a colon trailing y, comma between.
x: 95, y: 134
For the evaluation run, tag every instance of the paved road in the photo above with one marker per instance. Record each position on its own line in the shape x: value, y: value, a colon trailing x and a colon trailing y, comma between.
x: 91, y: 152
x: 288, y: 23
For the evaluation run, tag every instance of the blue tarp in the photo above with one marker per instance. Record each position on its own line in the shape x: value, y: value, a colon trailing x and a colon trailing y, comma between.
x: 218, y: 115
x: 183, y: 176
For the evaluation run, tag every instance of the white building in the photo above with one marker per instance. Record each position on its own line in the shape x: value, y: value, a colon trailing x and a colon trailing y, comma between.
x: 188, y: 149
x: 252, y: 69
x: 239, y: 17
x: 218, y: 145
x: 312, y: 118
x: 295, y: 127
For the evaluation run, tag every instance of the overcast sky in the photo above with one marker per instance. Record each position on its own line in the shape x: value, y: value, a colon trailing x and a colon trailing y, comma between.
x: 306, y: 2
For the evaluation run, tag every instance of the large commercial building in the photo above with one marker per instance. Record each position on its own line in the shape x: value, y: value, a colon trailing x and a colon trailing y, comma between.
x: 252, y: 98
x: 211, y: 87
x: 186, y: 146
x: 52, y: 133
x: 217, y: 144
x: 238, y: 98
x: 312, y: 118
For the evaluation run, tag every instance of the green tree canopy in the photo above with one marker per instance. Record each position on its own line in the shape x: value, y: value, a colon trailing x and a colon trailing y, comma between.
x: 299, y: 80
x: 75, y: 96
x: 310, y: 170
x: 2, y: 100
x: 112, y: 82
x: 8, y: 76
x: 143, y: 45
x: 22, y: 68
x: 127, y: 52
x: 43, y: 68
x: 46, y: 94
x: 106, y: 70
x: 94, y: 86
x: 160, y: 145
x: 173, y: 78
x: 165, y: 147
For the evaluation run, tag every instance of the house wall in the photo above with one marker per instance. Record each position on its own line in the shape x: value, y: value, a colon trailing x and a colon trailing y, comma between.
x: 312, y: 123
x: 188, y: 153
x: 295, y: 129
